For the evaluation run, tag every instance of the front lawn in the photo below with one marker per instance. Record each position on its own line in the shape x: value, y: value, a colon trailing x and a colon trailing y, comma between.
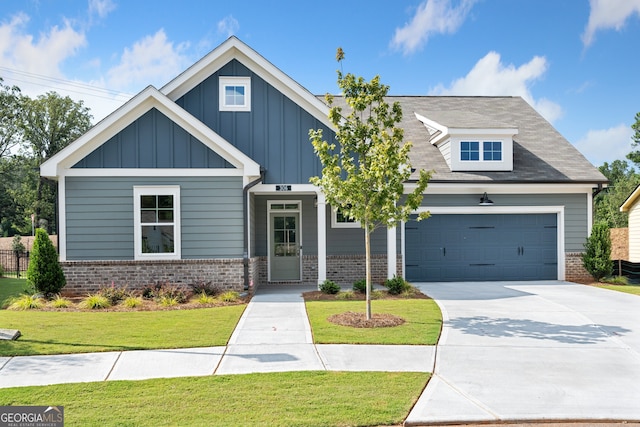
x: 279, y: 399
x: 57, y: 332
x: 422, y: 326
x: 10, y: 288
x: 630, y: 289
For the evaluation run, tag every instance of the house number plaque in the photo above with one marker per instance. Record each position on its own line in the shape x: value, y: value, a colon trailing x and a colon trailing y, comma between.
x: 282, y: 187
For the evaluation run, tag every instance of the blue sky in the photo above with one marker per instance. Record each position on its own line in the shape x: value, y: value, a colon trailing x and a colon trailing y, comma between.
x: 575, y: 61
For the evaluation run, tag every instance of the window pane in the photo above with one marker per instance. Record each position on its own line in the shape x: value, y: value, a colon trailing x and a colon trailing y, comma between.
x: 147, y: 216
x: 234, y: 95
x: 492, y: 150
x: 157, y: 239
x: 278, y: 223
x: 165, y: 216
x: 165, y: 201
x: 148, y: 201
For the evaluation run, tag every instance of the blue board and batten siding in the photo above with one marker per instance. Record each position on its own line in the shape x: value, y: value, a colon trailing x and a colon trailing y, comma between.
x: 99, y: 216
x: 153, y: 141
x: 275, y: 133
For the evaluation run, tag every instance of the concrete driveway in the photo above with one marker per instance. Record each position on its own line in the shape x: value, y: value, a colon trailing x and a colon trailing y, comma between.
x: 523, y: 351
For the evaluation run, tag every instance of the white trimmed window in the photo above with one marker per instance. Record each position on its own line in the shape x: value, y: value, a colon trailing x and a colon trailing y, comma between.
x: 339, y: 220
x: 156, y: 222
x: 235, y: 93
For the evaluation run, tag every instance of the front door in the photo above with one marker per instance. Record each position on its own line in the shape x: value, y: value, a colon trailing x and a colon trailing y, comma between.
x: 284, y: 241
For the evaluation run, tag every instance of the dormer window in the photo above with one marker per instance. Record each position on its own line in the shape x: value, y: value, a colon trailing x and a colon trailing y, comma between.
x: 473, y: 148
x: 235, y: 93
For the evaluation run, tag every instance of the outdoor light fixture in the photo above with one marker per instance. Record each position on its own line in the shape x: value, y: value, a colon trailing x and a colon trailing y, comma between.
x: 484, y: 200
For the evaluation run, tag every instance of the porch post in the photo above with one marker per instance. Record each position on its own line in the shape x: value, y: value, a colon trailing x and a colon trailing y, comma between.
x: 322, y: 238
x: 391, y: 252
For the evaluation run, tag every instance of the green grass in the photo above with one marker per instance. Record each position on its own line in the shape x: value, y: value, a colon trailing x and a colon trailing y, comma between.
x: 54, y: 332
x: 279, y: 399
x: 422, y: 326
x: 630, y: 289
x: 10, y: 288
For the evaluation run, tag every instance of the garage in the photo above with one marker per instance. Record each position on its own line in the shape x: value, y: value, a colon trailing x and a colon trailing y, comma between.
x: 479, y: 247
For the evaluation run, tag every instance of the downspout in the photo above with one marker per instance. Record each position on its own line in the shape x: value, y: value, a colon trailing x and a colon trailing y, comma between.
x: 245, y: 226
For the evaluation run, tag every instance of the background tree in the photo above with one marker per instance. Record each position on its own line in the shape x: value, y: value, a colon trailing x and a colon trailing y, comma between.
x: 10, y: 111
x: 44, y: 271
x: 623, y: 179
x: 365, y: 177
x: 49, y: 123
x: 634, y: 156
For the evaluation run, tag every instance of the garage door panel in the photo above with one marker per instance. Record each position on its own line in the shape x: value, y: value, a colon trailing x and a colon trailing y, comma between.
x: 482, y: 247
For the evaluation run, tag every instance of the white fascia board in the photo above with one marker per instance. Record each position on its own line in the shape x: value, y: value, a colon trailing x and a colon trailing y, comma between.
x: 492, y: 188
x: 153, y: 172
x: 483, y: 131
x: 295, y: 189
x: 233, y: 48
x: 442, y: 131
x: 61, y: 163
x: 631, y: 200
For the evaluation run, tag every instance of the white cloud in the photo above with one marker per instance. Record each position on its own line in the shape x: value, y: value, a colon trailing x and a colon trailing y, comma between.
x: 151, y: 60
x: 606, y: 145
x: 21, y: 51
x: 101, y: 8
x: 490, y: 77
x: 432, y: 17
x: 228, y: 26
x: 607, y: 14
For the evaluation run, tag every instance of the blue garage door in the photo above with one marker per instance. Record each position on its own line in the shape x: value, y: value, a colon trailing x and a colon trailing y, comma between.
x: 448, y: 248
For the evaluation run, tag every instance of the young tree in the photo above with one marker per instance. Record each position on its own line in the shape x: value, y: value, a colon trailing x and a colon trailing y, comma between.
x: 597, y: 255
x: 44, y: 271
x: 365, y: 176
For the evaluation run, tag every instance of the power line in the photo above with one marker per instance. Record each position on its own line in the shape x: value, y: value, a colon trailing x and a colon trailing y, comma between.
x: 106, y: 93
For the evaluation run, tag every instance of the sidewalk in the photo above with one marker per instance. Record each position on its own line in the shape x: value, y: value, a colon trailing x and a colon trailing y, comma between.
x: 273, y: 335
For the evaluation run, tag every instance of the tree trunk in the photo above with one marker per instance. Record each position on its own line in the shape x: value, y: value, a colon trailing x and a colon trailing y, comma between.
x: 367, y: 244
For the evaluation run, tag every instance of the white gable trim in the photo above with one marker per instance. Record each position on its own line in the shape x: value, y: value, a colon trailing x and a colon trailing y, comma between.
x: 61, y: 163
x: 233, y: 48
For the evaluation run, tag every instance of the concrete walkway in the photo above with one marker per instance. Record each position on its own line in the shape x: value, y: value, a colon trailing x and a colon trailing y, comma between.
x: 273, y: 335
x: 533, y: 351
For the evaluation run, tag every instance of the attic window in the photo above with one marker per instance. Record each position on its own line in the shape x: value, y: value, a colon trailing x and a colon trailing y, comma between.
x: 235, y: 93
x: 473, y: 151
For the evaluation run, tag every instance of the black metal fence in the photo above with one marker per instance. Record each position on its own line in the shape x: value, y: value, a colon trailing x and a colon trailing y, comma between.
x: 14, y: 263
x: 630, y: 270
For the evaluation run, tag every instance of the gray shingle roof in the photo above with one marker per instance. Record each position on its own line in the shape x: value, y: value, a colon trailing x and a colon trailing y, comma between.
x: 540, y: 153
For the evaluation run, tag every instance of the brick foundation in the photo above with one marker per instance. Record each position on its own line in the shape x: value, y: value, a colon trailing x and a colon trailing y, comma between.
x: 574, y: 269
x: 85, y: 277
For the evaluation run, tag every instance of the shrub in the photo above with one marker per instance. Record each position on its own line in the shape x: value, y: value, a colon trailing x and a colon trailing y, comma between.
x: 1, y: 270
x: 60, y: 302
x: 114, y: 294
x: 346, y: 295
x: 205, y: 299
x: 27, y: 302
x: 617, y: 280
x: 360, y: 286
x: 44, y: 271
x: 160, y: 292
x: 95, y: 302
x: 132, y: 302
x: 397, y: 285
x: 229, y: 296
x: 376, y: 294
x: 329, y: 287
x: 206, y: 287
x: 597, y: 256
x: 17, y: 245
